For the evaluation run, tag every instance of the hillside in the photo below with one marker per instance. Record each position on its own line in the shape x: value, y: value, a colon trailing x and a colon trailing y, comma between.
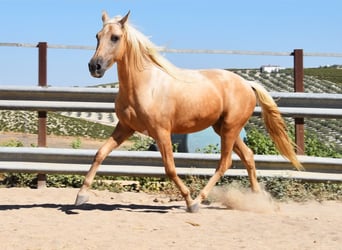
x: 332, y: 74
x: 327, y: 130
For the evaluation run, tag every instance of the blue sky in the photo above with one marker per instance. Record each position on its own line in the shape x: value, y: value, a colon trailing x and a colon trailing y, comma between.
x: 263, y: 25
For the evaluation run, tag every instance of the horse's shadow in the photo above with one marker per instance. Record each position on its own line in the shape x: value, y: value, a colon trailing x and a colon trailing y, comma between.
x: 72, y: 209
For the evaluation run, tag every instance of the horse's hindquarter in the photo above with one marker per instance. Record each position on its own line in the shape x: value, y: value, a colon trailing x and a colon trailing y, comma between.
x: 208, y: 96
x: 239, y: 96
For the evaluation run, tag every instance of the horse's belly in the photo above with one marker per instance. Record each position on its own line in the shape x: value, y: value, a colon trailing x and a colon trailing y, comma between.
x: 197, y: 113
x: 190, y: 121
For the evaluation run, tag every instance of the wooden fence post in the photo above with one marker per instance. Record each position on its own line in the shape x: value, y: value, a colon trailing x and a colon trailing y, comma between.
x: 42, y: 82
x: 299, y: 87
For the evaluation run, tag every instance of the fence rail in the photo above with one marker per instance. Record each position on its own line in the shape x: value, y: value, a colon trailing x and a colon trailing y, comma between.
x: 130, y: 163
x: 102, y: 100
x: 49, y: 160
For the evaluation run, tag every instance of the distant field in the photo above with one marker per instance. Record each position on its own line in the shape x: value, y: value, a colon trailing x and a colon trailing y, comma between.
x: 329, y: 74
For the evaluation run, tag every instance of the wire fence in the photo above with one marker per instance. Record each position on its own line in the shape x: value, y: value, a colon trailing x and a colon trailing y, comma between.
x: 183, y: 51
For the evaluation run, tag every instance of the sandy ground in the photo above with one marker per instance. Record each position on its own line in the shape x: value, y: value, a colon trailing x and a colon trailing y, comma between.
x: 46, y: 219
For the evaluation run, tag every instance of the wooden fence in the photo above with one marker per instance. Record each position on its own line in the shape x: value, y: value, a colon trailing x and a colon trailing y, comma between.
x: 50, y: 160
x: 138, y: 163
x: 298, y: 65
x: 318, y: 105
x: 43, y: 99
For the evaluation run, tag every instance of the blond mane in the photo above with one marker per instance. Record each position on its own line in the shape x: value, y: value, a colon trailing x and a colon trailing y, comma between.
x: 142, y: 51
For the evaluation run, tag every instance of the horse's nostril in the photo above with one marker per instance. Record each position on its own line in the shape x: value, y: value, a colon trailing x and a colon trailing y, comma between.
x: 91, y: 67
x: 96, y: 67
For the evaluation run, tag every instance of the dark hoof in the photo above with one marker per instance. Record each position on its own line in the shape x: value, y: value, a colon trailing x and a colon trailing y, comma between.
x: 81, y: 199
x: 194, y: 208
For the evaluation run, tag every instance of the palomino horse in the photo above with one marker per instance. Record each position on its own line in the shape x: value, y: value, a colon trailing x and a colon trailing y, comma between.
x: 156, y: 98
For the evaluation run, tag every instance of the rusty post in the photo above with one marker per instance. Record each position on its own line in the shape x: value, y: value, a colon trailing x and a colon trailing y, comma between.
x: 42, y: 82
x: 299, y: 87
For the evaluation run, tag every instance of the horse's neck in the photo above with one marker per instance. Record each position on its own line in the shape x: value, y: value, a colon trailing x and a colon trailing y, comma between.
x: 123, y: 74
x: 130, y: 78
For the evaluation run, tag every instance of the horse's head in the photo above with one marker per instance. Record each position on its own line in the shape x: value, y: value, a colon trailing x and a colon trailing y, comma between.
x: 110, y: 45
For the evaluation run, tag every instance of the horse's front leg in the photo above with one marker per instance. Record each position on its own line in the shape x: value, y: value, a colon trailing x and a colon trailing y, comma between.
x: 165, y: 146
x: 119, y: 135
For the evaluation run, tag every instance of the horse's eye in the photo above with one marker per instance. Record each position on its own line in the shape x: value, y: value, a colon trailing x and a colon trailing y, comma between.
x: 114, y: 38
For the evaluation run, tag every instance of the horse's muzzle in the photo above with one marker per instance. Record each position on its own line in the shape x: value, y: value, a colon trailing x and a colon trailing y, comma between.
x: 96, y: 67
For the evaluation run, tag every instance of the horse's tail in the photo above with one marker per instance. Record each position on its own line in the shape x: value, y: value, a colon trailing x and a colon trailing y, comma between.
x: 275, y: 124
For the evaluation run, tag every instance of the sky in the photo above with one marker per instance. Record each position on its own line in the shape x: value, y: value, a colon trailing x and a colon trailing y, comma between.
x: 263, y: 25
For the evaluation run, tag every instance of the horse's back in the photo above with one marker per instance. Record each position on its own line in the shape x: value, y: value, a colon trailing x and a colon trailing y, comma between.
x: 234, y: 89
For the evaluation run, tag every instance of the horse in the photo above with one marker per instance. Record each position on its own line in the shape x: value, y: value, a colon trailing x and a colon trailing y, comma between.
x: 157, y: 98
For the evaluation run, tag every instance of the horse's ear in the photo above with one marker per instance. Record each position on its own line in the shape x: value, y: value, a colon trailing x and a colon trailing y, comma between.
x: 105, y: 16
x: 124, y: 19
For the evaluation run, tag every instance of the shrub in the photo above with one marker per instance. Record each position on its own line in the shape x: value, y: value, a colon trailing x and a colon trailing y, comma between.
x: 12, y: 143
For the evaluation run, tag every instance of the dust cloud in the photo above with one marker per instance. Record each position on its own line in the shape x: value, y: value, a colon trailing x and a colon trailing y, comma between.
x: 236, y: 197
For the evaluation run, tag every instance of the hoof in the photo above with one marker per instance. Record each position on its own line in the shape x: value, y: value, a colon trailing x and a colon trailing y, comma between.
x: 194, y: 208
x: 81, y: 199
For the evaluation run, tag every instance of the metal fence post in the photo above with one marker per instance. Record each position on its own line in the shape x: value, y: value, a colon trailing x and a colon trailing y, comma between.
x: 299, y: 87
x: 42, y: 82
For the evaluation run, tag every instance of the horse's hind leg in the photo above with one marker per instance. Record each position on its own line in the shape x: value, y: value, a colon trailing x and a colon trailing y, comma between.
x: 118, y: 136
x: 228, y: 136
x: 247, y: 157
